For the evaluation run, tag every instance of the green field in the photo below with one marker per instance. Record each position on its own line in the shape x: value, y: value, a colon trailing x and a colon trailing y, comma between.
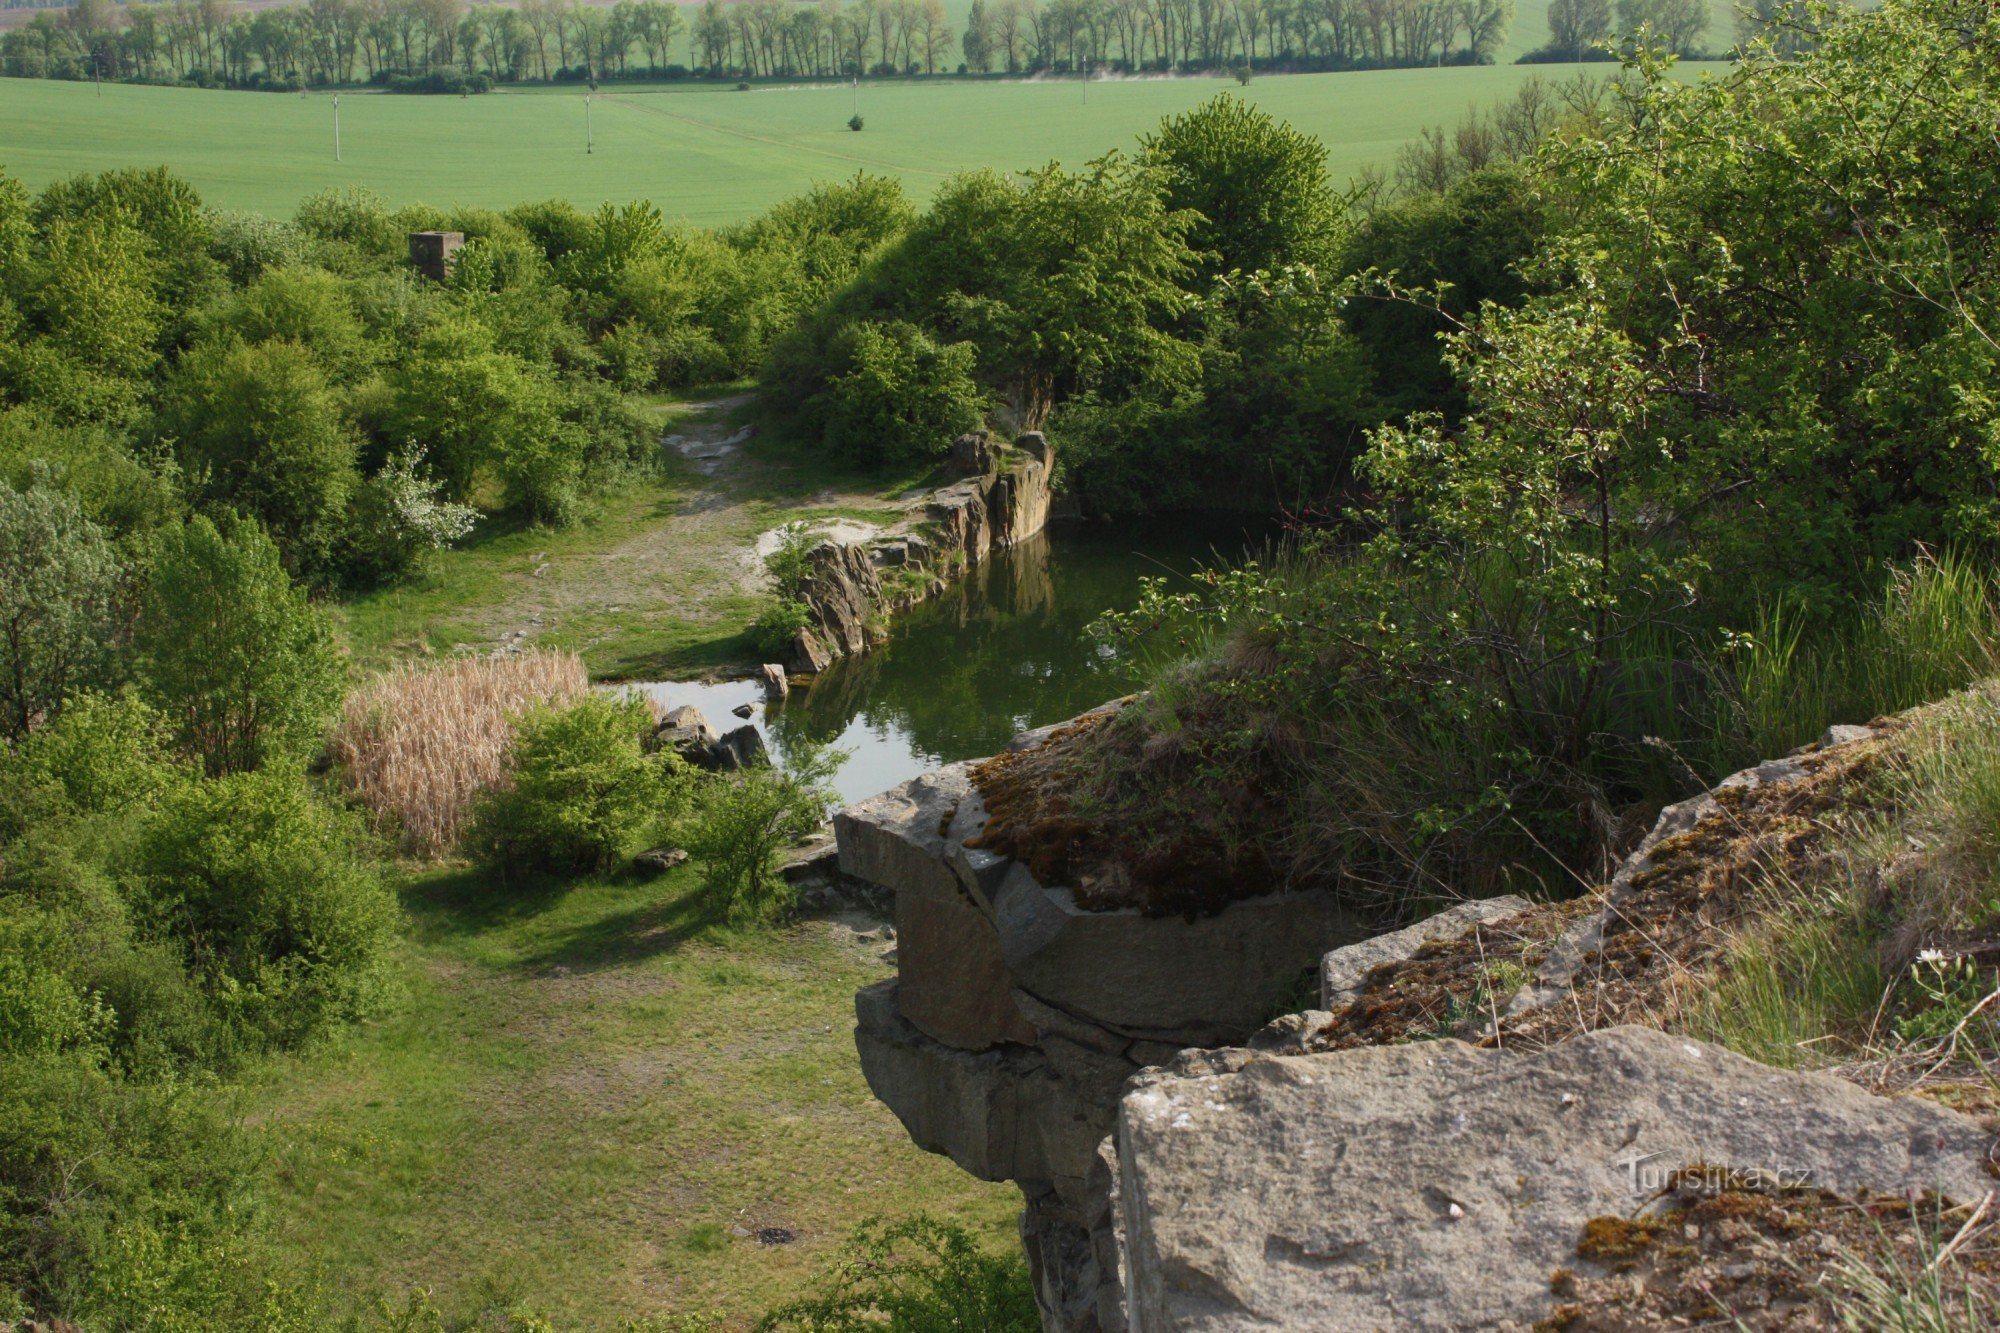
x: 707, y: 155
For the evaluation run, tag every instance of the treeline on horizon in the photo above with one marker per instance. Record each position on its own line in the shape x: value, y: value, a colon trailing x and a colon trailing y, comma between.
x: 447, y: 46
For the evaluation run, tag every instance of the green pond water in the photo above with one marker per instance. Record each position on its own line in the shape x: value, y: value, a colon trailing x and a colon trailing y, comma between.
x: 1005, y: 649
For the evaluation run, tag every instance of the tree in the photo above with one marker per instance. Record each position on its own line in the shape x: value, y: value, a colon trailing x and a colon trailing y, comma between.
x: 58, y: 583
x: 470, y: 406
x: 902, y: 397
x: 259, y: 426
x: 739, y: 825
x: 1258, y: 189
x: 1675, y: 24
x: 978, y: 40
x: 579, y: 791
x: 234, y: 655
x: 1576, y: 26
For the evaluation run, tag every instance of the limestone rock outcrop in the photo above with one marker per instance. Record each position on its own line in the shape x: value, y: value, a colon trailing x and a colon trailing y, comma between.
x: 1184, y: 1168
x: 1017, y: 1016
x: 848, y: 600
x: 1435, y: 1185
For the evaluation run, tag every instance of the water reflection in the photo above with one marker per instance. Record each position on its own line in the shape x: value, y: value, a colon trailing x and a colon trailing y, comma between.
x: 1004, y: 649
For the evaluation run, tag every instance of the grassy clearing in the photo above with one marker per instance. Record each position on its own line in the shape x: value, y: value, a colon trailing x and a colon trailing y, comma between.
x: 709, y: 155
x: 658, y: 578
x: 588, y: 1094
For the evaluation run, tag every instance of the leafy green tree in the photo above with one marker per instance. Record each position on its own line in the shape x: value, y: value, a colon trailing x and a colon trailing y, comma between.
x: 308, y: 307
x: 1677, y: 25
x: 978, y: 40
x: 90, y: 319
x: 243, y: 666
x: 1065, y: 282
x: 1258, y: 188
x: 272, y: 897
x: 902, y: 398
x: 58, y: 588
x: 580, y: 790
x: 259, y: 426
x: 470, y: 406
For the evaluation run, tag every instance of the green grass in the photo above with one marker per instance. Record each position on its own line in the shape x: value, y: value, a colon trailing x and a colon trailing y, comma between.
x: 655, y: 580
x: 588, y: 1092
x: 708, y: 155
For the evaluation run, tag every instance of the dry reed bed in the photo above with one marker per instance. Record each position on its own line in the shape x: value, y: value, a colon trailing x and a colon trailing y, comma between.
x: 418, y: 743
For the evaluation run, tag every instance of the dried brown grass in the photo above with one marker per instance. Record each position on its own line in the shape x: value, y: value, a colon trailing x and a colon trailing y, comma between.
x: 419, y: 743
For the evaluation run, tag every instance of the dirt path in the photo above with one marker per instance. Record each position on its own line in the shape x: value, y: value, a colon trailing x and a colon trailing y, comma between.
x: 660, y: 580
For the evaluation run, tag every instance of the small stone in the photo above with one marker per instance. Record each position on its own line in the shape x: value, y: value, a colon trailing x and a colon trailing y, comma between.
x: 743, y: 710
x: 659, y: 860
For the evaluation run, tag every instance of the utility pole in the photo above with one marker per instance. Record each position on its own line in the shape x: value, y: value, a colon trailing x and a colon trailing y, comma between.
x: 589, y: 142
x: 336, y: 127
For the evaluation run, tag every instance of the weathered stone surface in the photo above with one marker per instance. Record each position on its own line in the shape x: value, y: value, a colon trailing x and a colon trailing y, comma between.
x: 972, y: 453
x: 741, y: 748
x: 999, y: 1114
x: 809, y: 655
x: 955, y: 984
x: 659, y: 860
x: 1437, y: 1186
x: 1843, y: 734
x: 777, y: 686
x: 897, y: 839
x: 955, y: 987
x: 1203, y: 982
x: 1341, y: 971
x: 686, y: 732
x: 841, y: 593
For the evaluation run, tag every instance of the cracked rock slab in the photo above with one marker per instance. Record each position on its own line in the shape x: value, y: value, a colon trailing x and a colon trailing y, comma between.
x: 1434, y: 1185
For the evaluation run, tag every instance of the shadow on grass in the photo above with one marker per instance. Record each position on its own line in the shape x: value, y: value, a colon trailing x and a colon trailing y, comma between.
x: 632, y: 935
x: 633, y: 925
x: 459, y: 903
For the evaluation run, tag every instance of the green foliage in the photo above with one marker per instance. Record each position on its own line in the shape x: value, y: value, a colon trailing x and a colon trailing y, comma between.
x: 243, y: 666
x: 777, y: 625
x: 916, y: 1276
x: 741, y: 824
x: 258, y: 427
x: 397, y: 519
x: 901, y: 397
x: 275, y: 899
x: 473, y: 407
x: 1258, y: 188
x: 581, y: 791
x: 58, y: 580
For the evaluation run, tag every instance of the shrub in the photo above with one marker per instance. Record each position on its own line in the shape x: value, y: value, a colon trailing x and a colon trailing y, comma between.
x: 57, y: 578
x: 103, y: 754
x: 854, y: 122
x: 244, y: 667
x: 397, y: 520
x: 273, y: 900
x: 902, y: 398
x: 418, y: 744
x: 580, y: 789
x: 916, y: 1276
x: 772, y: 632
x: 740, y: 825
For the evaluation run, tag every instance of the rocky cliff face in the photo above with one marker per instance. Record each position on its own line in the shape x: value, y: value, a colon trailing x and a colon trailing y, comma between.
x: 854, y: 587
x: 1017, y: 1017
x: 1184, y: 1166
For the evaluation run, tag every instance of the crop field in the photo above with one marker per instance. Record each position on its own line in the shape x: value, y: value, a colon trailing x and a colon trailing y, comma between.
x: 707, y: 155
